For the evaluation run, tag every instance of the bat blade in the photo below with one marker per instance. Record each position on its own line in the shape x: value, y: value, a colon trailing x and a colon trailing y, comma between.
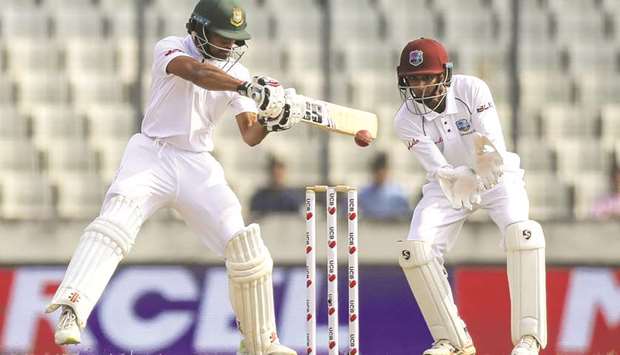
x: 338, y: 118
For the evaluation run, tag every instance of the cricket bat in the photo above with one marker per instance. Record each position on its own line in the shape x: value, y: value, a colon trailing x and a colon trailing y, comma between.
x: 338, y: 118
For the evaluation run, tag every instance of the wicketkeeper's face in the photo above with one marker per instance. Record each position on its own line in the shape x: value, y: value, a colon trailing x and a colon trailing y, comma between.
x: 426, y: 87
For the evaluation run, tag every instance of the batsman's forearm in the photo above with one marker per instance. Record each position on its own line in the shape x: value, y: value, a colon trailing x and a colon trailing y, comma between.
x: 255, y: 135
x: 210, y: 77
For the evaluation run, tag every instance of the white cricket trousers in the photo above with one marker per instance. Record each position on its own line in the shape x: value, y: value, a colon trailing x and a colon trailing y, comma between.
x: 155, y: 174
x: 435, y: 221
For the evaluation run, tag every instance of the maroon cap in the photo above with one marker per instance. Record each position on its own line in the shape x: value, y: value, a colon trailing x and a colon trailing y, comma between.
x: 423, y: 56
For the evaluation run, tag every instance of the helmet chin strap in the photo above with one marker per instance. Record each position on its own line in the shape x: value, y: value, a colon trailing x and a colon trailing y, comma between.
x: 233, y: 55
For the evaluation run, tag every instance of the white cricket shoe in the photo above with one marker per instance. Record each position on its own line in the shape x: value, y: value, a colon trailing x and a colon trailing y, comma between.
x: 444, y: 347
x: 67, y: 330
x: 275, y: 349
x: 528, y: 345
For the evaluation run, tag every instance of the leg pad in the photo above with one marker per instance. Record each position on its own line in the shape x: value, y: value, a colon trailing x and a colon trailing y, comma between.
x: 525, y: 245
x: 429, y: 284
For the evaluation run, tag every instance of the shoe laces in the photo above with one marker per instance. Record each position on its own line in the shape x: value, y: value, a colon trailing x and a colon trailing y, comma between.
x: 67, y: 319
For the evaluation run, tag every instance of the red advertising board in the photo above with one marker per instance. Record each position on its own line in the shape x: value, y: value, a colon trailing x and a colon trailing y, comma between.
x: 583, y: 306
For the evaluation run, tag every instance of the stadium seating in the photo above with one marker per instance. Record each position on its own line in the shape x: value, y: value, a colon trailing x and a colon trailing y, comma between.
x: 536, y: 155
x: 18, y: 155
x: 36, y: 88
x: 69, y: 73
x: 610, y: 124
x: 26, y: 197
x: 32, y: 54
x: 561, y: 121
x: 53, y: 122
x: 589, y: 188
x: 12, y: 123
x: 550, y: 198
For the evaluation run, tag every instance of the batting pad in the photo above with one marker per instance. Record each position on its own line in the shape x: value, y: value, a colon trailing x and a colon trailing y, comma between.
x: 430, y: 287
x: 525, y: 245
x: 103, y: 245
x: 249, y: 267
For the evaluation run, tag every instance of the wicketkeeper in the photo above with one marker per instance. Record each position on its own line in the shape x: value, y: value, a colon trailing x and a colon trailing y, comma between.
x: 451, y: 125
x: 197, y: 81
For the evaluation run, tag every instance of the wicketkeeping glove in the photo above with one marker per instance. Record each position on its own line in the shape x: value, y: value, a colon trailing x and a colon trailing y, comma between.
x: 266, y: 92
x: 293, y: 111
x: 460, y: 185
x: 489, y: 163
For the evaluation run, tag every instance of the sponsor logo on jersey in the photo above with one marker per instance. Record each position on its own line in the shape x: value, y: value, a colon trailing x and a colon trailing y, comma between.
x: 484, y: 107
x: 170, y: 51
x: 411, y: 143
x: 416, y: 57
x: 237, y: 17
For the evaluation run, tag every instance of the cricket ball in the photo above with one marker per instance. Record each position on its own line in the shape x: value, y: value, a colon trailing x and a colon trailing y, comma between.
x: 363, y: 138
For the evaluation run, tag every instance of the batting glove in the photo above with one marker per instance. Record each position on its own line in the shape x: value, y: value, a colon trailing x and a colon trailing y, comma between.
x: 293, y: 111
x: 266, y: 92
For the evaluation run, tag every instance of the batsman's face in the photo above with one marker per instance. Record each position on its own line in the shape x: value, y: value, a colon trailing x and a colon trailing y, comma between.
x: 219, y: 47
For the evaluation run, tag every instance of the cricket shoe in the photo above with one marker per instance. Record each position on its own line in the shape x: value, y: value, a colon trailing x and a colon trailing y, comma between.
x: 275, y: 349
x: 528, y: 345
x: 444, y: 347
x: 67, y: 330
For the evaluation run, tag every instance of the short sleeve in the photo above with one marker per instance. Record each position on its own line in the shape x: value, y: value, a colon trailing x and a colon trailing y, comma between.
x: 485, y: 118
x: 165, y: 51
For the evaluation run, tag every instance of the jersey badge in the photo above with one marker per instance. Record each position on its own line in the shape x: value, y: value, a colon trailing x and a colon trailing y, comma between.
x: 463, y: 126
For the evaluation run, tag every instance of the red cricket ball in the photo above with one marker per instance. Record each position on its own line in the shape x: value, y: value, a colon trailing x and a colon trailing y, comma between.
x: 363, y: 138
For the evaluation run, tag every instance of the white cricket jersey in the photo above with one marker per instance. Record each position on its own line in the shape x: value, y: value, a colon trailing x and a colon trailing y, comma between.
x: 442, y: 139
x: 181, y: 113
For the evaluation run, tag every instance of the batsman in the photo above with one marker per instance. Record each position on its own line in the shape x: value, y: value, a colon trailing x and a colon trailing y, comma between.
x: 449, y: 122
x: 197, y: 81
